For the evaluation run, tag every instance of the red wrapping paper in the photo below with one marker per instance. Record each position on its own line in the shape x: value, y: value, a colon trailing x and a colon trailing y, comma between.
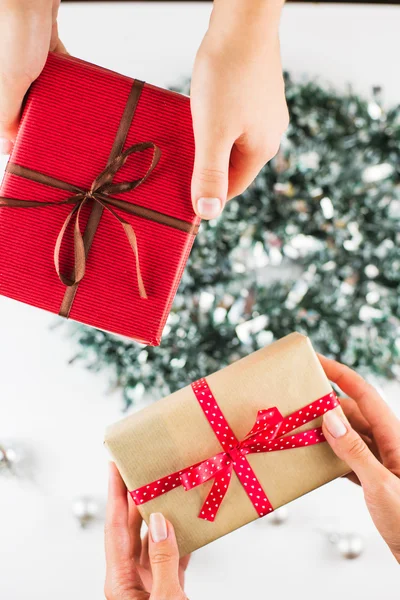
x: 68, y: 127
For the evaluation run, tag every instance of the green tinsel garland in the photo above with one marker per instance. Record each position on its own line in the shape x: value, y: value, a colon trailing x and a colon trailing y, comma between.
x: 312, y: 245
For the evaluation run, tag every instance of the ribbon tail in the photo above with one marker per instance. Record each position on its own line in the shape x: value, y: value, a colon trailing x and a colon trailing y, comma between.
x: 131, y: 236
x: 79, y: 248
x: 209, y: 510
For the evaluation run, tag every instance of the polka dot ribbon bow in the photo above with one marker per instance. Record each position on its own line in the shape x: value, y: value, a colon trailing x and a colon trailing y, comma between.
x: 271, y: 433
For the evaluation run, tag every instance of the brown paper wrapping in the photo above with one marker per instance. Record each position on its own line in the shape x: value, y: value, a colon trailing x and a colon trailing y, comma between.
x: 173, y: 434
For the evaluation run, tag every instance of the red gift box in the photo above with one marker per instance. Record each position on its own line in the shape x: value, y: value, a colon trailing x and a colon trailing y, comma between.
x: 113, y: 156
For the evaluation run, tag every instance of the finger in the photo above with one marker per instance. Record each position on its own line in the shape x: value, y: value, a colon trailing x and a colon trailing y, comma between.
x: 144, y: 557
x: 360, y: 424
x: 184, y: 561
x: 117, y: 538
x: 247, y: 160
x: 164, y: 559
x: 59, y: 48
x: 355, y: 416
x: 135, y: 525
x: 210, y: 177
x: 370, y: 402
x: 351, y: 448
x: 24, y: 43
x: 211, y: 166
x: 183, y: 565
x: 54, y: 39
x: 384, y: 424
x: 120, y: 569
x: 56, y: 44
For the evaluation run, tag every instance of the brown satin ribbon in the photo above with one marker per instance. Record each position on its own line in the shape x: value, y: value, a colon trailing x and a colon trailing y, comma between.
x: 100, y: 195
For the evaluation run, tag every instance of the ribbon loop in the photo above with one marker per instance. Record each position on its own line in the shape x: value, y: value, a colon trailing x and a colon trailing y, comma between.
x: 104, y: 183
x: 79, y: 248
x: 265, y: 421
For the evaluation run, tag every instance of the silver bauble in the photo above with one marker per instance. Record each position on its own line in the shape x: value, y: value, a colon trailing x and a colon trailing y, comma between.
x: 13, y: 458
x: 86, y: 510
x: 349, y: 545
x: 279, y: 516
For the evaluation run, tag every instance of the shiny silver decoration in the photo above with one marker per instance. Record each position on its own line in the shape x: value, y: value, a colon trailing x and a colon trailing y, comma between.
x: 374, y: 110
x: 309, y: 160
x: 371, y: 271
x: 14, y: 459
x: 245, y: 331
x: 348, y: 545
x: 369, y: 313
x: 279, y: 516
x: 86, y: 510
x: 377, y: 172
x: 327, y: 207
x: 6, y: 461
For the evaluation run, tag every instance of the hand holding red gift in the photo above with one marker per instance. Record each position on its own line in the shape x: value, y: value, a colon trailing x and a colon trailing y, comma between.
x: 28, y: 31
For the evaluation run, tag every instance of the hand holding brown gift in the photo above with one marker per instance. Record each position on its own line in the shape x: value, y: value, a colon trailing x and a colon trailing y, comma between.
x: 139, y: 569
x: 368, y: 440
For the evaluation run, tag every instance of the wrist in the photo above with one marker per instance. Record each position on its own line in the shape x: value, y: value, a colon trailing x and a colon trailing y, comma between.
x: 254, y: 20
x: 261, y: 14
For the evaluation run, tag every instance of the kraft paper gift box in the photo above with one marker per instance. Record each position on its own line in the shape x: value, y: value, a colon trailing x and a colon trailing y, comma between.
x: 123, y: 152
x: 154, y: 449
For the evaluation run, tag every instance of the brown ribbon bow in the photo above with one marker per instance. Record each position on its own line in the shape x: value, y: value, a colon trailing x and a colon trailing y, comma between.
x: 100, y: 195
x: 99, y: 192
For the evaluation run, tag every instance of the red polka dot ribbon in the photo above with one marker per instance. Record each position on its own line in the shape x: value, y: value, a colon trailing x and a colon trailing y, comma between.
x: 271, y: 432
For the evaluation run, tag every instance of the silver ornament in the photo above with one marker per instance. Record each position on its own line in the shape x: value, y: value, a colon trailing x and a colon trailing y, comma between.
x: 86, y: 510
x: 279, y: 516
x: 349, y: 545
x: 13, y: 459
x: 4, y: 460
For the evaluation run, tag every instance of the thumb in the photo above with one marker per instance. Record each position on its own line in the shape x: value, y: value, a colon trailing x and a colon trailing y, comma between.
x: 210, y: 175
x: 164, y: 559
x: 350, y: 447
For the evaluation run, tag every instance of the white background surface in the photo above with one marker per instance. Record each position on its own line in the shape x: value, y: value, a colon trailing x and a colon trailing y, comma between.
x: 59, y: 412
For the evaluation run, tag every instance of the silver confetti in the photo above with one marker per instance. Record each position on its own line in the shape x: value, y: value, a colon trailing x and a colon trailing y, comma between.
x: 377, y: 172
x: 327, y: 207
x: 368, y: 313
x: 371, y: 271
x: 245, y: 330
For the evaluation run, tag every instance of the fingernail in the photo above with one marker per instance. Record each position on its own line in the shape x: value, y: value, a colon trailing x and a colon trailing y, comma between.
x: 334, y: 424
x: 209, y: 208
x: 158, y: 527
